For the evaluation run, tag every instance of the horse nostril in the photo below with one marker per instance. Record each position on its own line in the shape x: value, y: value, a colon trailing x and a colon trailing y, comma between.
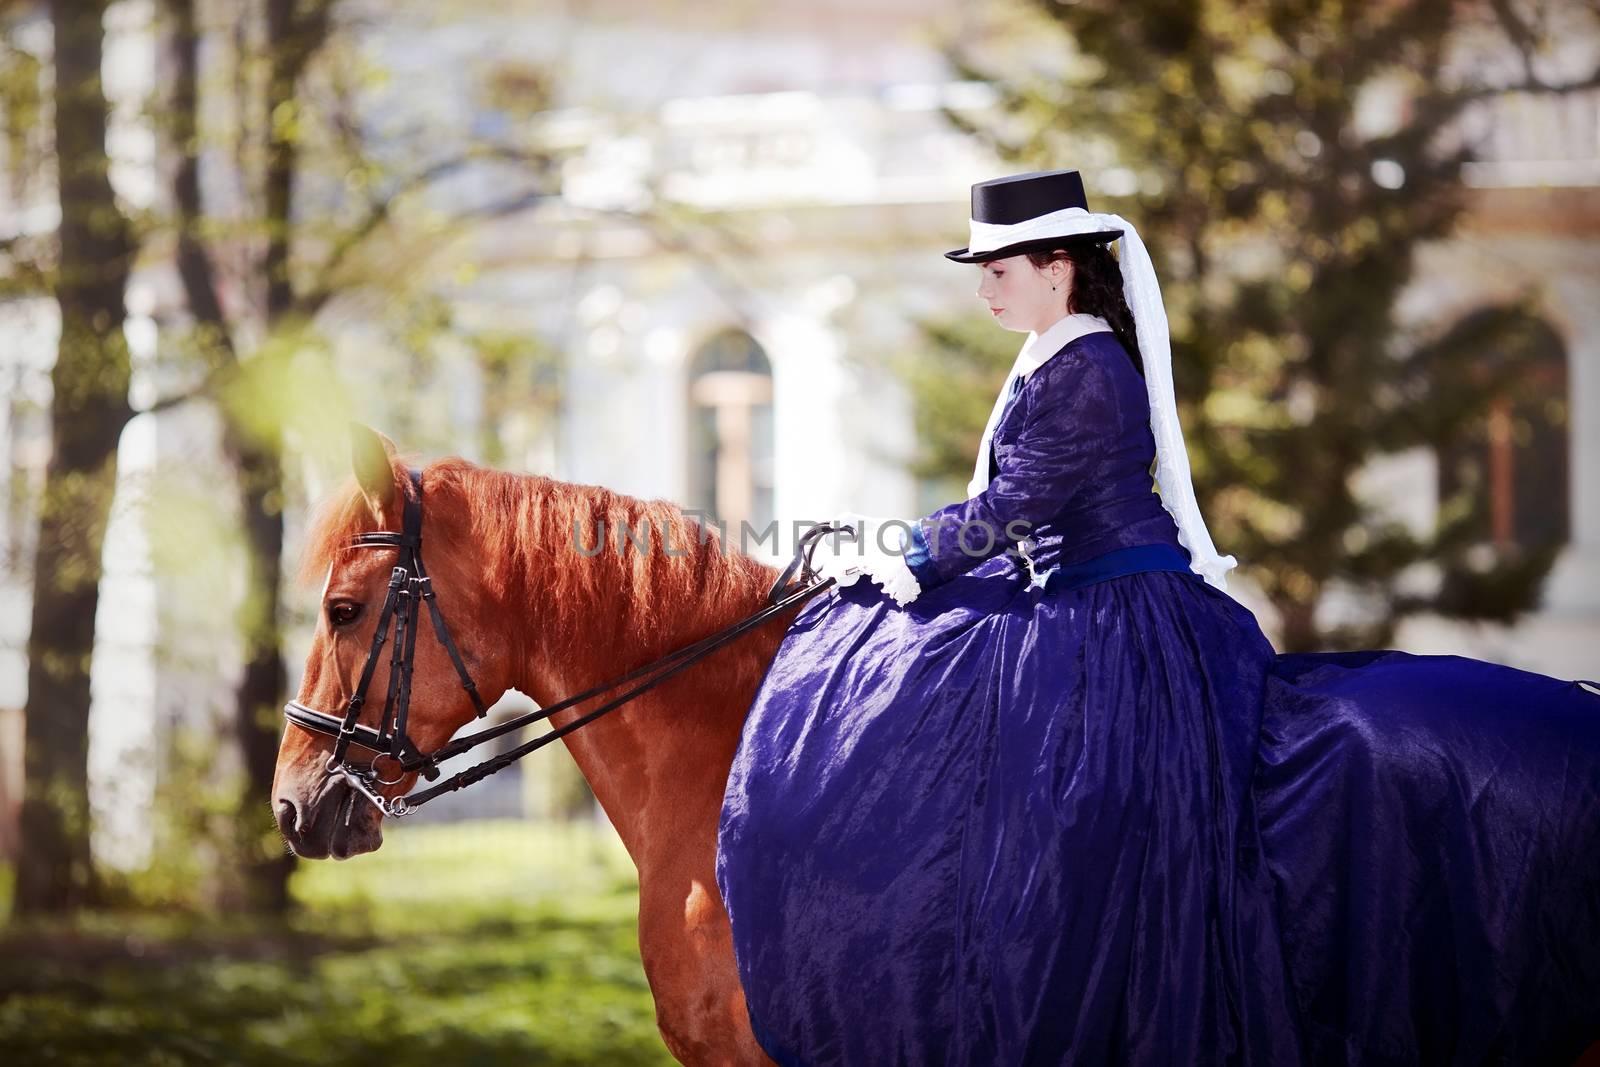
x: 288, y: 818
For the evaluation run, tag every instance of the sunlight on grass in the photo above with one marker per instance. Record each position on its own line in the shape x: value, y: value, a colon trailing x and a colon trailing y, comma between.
x: 469, y: 868
x: 480, y: 943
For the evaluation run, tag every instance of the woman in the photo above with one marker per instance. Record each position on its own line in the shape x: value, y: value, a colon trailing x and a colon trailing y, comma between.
x: 1040, y: 791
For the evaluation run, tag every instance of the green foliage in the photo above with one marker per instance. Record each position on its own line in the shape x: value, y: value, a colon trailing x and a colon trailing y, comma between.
x: 475, y: 944
x: 1285, y: 162
x: 950, y: 379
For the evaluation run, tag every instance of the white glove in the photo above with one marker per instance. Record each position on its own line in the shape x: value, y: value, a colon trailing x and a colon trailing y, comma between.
x: 877, y: 552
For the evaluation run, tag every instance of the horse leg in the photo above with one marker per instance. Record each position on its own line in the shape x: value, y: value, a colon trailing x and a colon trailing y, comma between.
x: 686, y: 946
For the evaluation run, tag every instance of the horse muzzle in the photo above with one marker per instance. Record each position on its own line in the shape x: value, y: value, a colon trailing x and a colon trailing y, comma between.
x: 328, y: 818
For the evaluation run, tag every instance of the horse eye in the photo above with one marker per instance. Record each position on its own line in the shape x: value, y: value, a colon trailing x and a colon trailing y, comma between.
x: 343, y: 613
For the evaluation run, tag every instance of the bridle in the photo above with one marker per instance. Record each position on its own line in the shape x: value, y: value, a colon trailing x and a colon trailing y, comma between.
x: 409, y: 588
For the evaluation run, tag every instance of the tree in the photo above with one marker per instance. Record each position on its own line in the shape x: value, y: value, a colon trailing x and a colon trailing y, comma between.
x: 292, y: 35
x: 89, y: 408
x: 298, y: 243
x: 1284, y: 229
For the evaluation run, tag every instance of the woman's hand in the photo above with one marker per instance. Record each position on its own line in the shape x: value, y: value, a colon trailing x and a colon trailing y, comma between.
x: 871, y: 547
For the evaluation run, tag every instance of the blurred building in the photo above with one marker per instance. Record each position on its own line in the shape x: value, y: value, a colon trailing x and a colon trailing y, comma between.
x: 1533, y: 470
x: 735, y: 362
x: 738, y: 366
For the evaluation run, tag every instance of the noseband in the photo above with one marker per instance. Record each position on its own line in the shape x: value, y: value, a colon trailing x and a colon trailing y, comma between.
x: 410, y: 587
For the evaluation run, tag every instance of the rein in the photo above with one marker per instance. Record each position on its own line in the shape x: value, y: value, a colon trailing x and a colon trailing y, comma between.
x: 410, y: 587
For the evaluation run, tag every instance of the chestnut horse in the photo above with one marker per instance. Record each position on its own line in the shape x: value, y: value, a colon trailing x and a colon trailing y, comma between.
x: 532, y: 606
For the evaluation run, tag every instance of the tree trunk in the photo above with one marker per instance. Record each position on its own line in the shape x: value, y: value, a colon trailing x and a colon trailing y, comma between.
x: 1298, y: 631
x: 290, y: 41
x: 89, y: 409
x: 259, y: 697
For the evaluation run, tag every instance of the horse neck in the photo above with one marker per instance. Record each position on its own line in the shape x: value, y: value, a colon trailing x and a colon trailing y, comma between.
x: 663, y: 757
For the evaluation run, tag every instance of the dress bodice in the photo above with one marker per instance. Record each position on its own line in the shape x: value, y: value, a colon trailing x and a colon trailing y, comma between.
x: 1072, y: 471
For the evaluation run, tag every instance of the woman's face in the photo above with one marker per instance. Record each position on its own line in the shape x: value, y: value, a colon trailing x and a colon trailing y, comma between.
x: 1019, y: 296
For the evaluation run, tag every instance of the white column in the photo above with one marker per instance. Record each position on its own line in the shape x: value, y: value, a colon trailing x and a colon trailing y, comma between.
x: 812, y: 451
x: 666, y: 350
x: 1574, y: 583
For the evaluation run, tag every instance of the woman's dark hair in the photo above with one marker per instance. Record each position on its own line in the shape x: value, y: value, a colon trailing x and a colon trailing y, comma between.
x: 1096, y: 289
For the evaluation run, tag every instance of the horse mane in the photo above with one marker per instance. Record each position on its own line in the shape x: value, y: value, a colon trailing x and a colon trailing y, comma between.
x: 528, y: 529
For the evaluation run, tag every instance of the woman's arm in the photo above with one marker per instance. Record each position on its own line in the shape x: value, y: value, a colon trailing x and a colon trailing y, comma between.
x: 1063, y: 436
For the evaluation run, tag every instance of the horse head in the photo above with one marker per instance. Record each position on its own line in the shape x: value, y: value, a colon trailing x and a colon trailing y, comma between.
x: 319, y: 809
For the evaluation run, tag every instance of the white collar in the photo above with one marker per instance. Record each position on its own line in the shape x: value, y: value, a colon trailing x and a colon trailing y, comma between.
x: 1036, y: 351
x: 1039, y: 347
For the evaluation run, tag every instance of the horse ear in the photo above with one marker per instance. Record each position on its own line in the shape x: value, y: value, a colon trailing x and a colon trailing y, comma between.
x: 370, y: 452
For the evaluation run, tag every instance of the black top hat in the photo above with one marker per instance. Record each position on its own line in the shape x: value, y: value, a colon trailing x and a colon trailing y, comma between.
x: 1014, y: 207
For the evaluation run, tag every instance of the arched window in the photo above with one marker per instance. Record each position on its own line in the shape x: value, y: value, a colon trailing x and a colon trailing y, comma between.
x: 1511, y: 465
x: 731, y: 431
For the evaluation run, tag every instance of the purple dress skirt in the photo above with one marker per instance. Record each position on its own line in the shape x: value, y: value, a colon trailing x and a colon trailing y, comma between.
x: 1080, y: 811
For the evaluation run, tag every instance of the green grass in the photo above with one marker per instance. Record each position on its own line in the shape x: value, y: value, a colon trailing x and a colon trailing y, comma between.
x: 478, y: 944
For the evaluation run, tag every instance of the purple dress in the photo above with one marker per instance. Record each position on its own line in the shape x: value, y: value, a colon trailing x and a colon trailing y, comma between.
x: 1094, y: 818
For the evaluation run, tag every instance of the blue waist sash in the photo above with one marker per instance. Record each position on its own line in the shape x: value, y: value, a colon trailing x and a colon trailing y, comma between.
x: 1133, y: 559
